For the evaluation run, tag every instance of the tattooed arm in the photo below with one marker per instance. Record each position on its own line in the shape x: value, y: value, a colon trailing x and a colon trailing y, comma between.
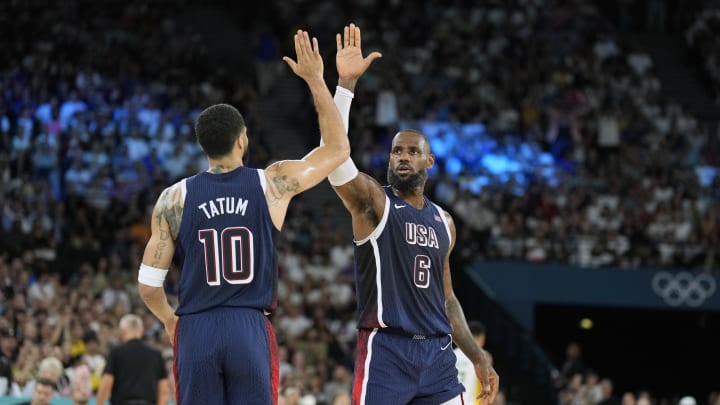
x: 286, y: 179
x: 159, y: 252
x: 462, y: 336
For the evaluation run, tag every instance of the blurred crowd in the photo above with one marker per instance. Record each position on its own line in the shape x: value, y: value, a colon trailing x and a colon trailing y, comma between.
x: 638, y: 176
x: 579, y: 384
x: 97, y: 103
x: 702, y: 37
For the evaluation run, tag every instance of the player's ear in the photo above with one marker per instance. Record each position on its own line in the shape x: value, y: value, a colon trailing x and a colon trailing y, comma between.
x: 241, y: 139
x: 430, y: 161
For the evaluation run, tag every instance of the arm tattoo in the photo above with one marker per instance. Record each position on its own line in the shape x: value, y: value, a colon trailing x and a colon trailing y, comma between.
x: 281, y: 186
x: 169, y: 208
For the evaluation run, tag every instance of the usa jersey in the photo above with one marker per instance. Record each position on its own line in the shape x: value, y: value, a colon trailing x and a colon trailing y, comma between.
x: 228, y: 240
x: 399, y: 269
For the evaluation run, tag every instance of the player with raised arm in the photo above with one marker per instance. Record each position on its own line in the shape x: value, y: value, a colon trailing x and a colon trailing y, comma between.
x: 408, y: 314
x: 226, y: 220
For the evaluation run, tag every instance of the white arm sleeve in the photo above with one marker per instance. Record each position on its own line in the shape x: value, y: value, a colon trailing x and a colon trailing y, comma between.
x: 347, y: 170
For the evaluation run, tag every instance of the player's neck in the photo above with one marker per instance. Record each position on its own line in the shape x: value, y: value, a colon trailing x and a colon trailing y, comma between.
x: 217, y: 166
x: 414, y: 197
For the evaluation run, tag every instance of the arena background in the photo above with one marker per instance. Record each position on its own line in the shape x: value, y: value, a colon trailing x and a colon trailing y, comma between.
x: 578, y: 149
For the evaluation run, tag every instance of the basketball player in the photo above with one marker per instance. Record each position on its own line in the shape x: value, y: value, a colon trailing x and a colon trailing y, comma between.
x: 408, y: 312
x: 226, y: 220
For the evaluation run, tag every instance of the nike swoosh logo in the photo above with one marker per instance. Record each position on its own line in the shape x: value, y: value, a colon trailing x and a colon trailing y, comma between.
x: 400, y: 206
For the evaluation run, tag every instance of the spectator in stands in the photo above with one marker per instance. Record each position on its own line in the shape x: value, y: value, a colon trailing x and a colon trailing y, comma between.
x: 8, y: 344
x: 50, y: 369
x: 42, y: 393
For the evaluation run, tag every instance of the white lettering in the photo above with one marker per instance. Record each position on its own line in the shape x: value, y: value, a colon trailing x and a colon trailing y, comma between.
x: 432, y: 238
x: 203, y: 207
x: 213, y: 209
x: 223, y: 205
x: 220, y: 204
x: 241, y: 206
x: 421, y: 235
x: 410, y: 236
x: 229, y: 205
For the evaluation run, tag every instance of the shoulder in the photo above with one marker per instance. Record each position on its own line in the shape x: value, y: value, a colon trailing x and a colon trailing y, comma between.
x: 174, y: 194
x: 448, y: 217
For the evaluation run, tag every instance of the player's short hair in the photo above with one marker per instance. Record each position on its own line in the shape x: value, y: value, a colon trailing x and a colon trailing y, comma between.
x: 417, y: 132
x: 477, y: 328
x: 217, y: 128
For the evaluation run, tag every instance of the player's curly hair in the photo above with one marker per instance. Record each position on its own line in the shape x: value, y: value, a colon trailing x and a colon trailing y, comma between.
x: 217, y: 128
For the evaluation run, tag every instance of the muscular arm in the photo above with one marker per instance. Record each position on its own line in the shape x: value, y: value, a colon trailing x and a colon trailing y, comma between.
x: 288, y: 178
x: 161, y: 247
x: 461, y: 332
x: 364, y: 198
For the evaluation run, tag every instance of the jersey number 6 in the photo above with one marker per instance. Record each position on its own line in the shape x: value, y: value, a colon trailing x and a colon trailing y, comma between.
x: 234, y: 255
x: 421, y: 274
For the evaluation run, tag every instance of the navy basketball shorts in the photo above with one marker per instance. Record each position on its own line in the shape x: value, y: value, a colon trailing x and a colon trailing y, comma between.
x: 226, y: 356
x: 392, y: 369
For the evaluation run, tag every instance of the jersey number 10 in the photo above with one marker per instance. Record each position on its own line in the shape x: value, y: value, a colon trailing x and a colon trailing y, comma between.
x: 233, y: 252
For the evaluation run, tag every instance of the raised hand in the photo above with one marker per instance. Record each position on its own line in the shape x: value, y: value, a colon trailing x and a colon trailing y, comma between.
x: 309, y: 65
x: 349, y: 60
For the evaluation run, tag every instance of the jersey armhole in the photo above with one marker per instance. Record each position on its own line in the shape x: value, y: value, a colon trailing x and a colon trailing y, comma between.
x: 380, y: 226
x: 444, y: 221
x: 183, y: 189
x: 263, y: 180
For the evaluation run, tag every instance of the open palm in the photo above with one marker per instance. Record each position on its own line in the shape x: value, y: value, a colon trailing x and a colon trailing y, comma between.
x: 349, y: 60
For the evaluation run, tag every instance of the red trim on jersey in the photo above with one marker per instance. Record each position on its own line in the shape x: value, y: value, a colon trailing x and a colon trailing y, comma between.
x: 362, y: 352
x: 175, y: 362
x: 274, y: 361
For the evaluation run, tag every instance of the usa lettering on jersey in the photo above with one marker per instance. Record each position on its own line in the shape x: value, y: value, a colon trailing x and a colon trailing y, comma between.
x: 223, y: 205
x: 421, y: 235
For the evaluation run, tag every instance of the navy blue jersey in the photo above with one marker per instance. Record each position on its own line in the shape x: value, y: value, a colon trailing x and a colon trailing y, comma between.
x: 228, y: 240
x: 399, y: 269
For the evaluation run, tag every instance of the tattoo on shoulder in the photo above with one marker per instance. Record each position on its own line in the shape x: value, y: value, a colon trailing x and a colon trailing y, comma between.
x: 281, y: 185
x: 170, y: 207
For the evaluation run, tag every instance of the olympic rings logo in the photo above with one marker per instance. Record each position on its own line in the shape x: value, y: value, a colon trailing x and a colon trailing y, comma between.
x: 683, y: 288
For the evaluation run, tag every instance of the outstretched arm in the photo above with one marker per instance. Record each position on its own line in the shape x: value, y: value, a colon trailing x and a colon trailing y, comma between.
x: 158, y: 256
x: 287, y: 178
x: 361, y: 194
x: 462, y: 336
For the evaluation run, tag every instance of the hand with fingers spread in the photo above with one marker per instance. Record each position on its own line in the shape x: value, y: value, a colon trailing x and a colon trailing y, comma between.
x: 309, y: 65
x: 349, y: 60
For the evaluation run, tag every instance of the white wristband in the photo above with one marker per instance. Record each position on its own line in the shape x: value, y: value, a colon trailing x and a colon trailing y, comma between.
x: 347, y: 170
x: 344, y: 173
x: 151, y: 276
x: 343, y: 99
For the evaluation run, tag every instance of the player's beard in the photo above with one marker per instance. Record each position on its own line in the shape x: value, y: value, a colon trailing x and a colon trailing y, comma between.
x: 409, y: 184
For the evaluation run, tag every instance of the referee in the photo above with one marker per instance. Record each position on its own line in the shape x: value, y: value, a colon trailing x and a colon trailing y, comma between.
x: 135, y: 373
